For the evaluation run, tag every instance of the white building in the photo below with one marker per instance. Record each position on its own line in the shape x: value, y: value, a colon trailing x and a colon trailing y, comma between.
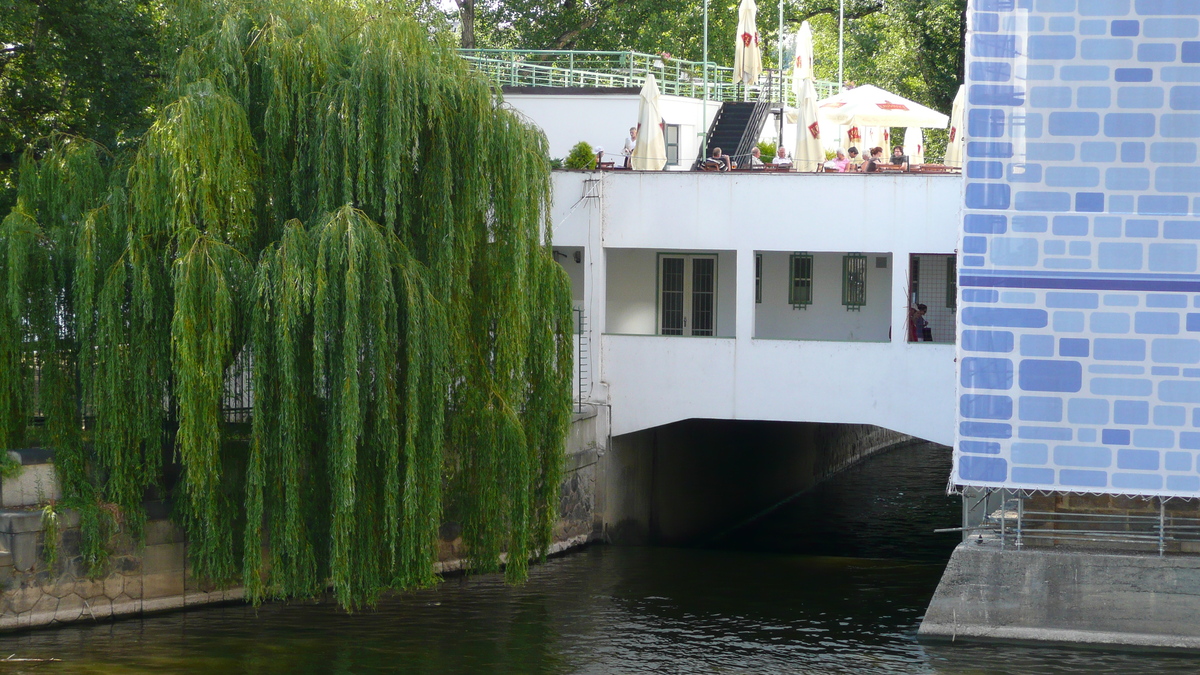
x: 749, y: 296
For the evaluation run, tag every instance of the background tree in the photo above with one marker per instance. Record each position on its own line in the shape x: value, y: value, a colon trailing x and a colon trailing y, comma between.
x: 90, y: 68
x: 911, y: 47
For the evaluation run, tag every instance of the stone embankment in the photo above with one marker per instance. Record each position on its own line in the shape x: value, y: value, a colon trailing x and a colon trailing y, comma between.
x: 153, y: 575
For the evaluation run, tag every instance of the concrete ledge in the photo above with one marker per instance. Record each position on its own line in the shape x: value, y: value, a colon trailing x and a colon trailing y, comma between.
x: 1066, y: 597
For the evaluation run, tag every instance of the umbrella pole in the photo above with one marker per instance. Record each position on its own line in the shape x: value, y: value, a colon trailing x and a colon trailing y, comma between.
x: 841, y: 43
x: 704, y: 105
x: 779, y: 46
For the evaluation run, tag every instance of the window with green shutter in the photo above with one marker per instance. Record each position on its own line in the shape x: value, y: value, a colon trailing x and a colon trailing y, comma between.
x: 854, y: 281
x: 800, y: 288
x: 758, y: 278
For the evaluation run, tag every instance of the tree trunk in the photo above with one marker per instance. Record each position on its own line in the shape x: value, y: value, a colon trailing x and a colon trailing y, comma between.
x: 466, y: 16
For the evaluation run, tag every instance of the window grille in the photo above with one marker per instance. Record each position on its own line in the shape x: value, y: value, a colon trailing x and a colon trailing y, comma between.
x: 672, y: 296
x: 800, y: 288
x: 854, y: 281
x: 758, y: 278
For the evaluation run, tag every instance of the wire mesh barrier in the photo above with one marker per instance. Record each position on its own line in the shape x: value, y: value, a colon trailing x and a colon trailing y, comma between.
x: 613, y: 69
x: 1149, y: 524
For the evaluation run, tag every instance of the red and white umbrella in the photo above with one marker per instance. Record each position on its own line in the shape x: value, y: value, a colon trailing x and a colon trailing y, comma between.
x: 747, y: 59
x: 802, y: 65
x: 809, y: 152
x: 870, y: 106
x: 914, y: 145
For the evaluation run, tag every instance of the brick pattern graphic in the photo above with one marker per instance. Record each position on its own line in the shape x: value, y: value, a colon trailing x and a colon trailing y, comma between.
x: 1079, y: 326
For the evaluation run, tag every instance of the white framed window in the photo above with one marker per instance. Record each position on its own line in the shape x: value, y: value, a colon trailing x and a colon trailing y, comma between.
x: 687, y: 294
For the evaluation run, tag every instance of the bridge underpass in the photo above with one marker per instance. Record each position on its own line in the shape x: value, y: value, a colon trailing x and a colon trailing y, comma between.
x: 691, y: 482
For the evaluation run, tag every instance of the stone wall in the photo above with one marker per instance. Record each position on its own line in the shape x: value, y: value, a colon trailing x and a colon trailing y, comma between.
x: 153, y: 576
x: 1066, y: 596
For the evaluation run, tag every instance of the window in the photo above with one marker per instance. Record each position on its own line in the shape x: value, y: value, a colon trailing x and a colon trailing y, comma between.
x: 758, y: 278
x: 854, y: 281
x: 687, y: 295
x: 800, y: 288
x: 951, y: 282
x: 671, y: 137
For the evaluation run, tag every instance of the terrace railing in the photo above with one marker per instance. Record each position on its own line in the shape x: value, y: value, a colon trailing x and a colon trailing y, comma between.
x: 610, y: 69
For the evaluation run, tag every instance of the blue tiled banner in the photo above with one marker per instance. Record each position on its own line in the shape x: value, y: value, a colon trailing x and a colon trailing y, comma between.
x: 1079, y: 323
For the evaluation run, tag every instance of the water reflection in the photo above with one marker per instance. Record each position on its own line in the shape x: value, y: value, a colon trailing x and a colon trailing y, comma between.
x: 832, y: 582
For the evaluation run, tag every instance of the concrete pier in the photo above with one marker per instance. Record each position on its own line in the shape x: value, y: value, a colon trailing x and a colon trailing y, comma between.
x: 1139, y: 600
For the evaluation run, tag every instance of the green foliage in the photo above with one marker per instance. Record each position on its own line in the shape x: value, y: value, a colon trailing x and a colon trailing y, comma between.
x: 767, y: 151
x: 87, y: 67
x: 293, y: 210
x: 581, y: 157
x: 911, y: 47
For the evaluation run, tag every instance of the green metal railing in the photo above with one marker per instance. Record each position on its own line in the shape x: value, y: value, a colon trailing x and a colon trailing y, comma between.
x: 678, y: 77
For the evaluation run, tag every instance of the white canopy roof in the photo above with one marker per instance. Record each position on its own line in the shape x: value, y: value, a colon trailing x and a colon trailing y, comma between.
x: 869, y: 106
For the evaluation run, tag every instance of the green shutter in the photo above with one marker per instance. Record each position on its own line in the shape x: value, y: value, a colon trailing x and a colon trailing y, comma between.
x: 854, y: 281
x: 800, y: 285
x: 951, y: 282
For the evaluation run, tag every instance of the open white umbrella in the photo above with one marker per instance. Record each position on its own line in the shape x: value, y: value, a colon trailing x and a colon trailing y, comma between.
x: 802, y: 66
x: 809, y: 153
x: 870, y: 106
x: 954, y: 146
x: 914, y: 145
x: 747, y: 60
x: 650, y: 151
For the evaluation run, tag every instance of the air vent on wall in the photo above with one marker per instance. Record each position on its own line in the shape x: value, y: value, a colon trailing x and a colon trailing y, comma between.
x: 881, y: 262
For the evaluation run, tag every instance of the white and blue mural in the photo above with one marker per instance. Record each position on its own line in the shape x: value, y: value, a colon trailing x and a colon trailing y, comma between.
x: 1079, y: 325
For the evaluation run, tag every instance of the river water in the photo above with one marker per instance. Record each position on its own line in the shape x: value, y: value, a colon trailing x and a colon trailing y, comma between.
x: 833, y: 581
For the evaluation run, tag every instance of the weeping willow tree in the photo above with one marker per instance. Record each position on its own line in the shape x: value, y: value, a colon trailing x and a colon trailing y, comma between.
x: 331, y: 197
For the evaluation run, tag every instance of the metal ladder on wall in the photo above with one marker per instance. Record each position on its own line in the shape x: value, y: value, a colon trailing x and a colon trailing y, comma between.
x: 583, y: 365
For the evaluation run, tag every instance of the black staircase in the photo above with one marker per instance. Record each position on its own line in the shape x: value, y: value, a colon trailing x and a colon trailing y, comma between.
x: 735, y: 130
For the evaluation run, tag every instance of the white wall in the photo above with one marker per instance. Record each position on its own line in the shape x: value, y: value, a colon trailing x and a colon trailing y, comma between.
x: 826, y: 318
x: 633, y: 286
x: 565, y: 256
x: 631, y: 292
x: 659, y: 380
x: 604, y: 119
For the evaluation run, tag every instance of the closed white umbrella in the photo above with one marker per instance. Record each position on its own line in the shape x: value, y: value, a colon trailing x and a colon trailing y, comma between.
x: 809, y: 153
x: 802, y: 66
x: 954, y: 146
x: 747, y: 60
x: 914, y: 145
x: 650, y: 151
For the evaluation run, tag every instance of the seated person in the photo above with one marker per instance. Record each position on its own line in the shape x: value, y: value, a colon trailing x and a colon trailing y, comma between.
x: 839, y: 164
x: 856, y: 162
x: 756, y: 159
x: 781, y: 158
x: 899, y: 158
x: 599, y: 155
x: 872, y: 164
x: 718, y: 161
